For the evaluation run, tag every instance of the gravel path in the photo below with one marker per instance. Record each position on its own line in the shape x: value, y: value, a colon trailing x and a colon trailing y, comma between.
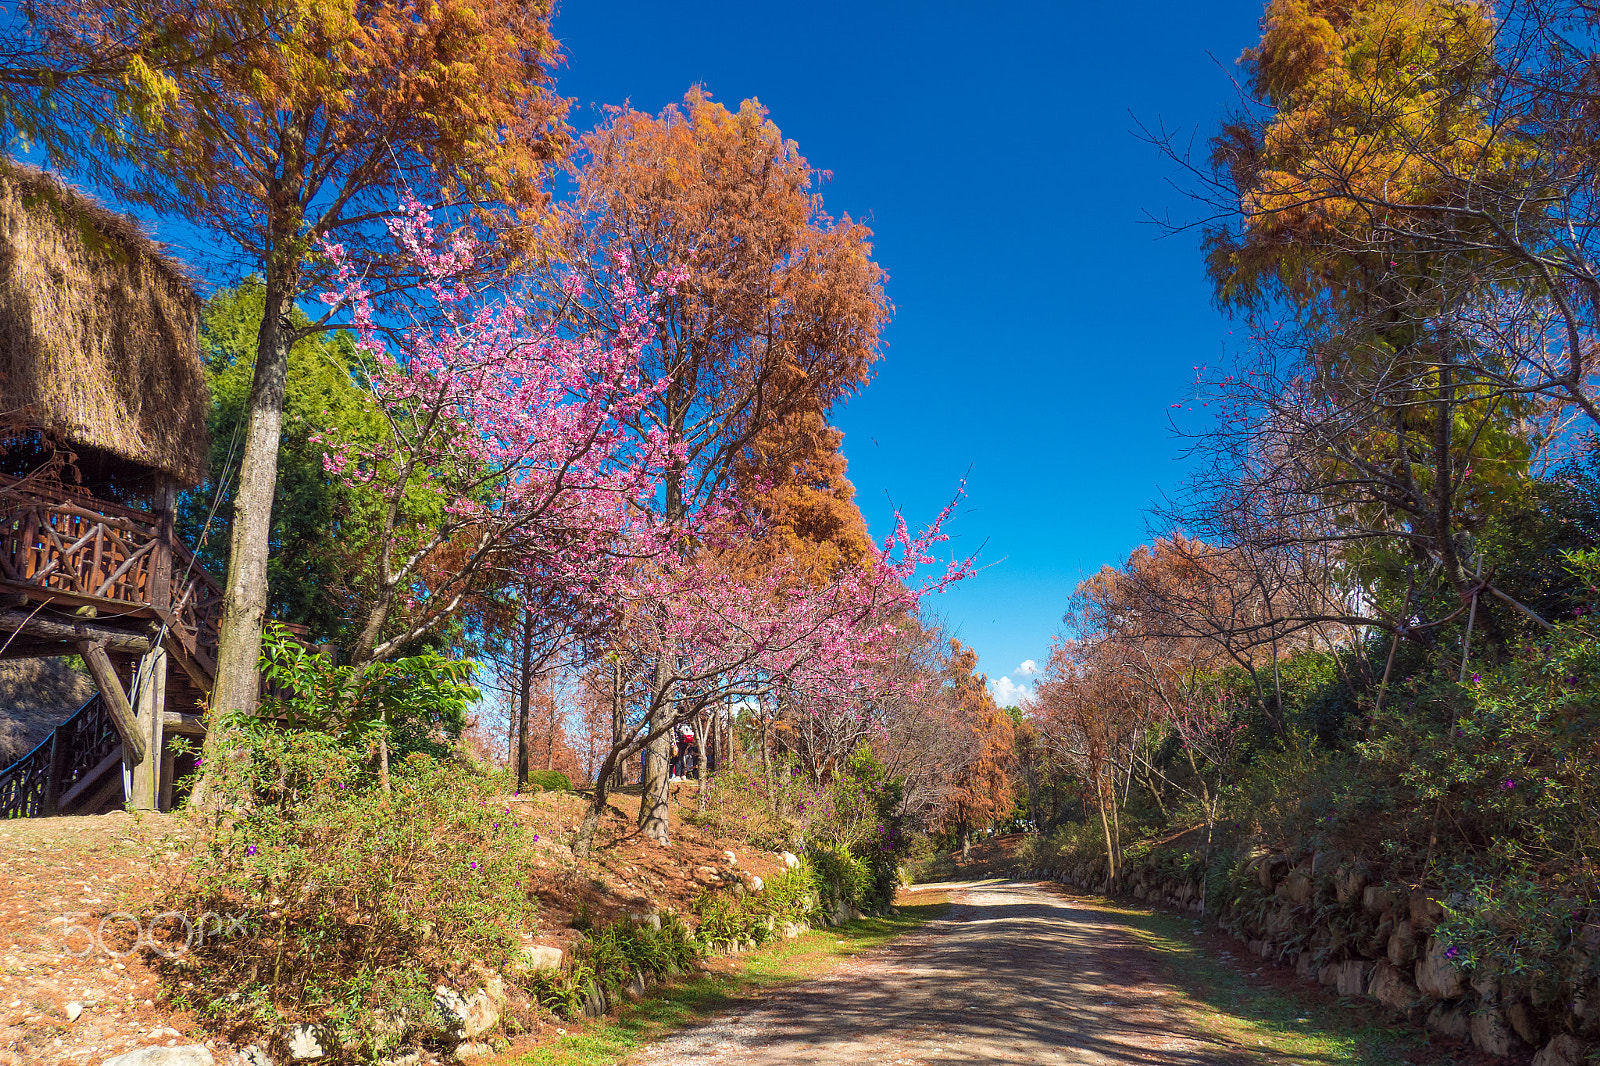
x: 1014, y: 973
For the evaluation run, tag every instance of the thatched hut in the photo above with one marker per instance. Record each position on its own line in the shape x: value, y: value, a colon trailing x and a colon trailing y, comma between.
x: 98, y: 339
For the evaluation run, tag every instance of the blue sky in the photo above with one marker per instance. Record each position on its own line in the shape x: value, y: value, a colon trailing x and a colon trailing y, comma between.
x: 1042, y: 331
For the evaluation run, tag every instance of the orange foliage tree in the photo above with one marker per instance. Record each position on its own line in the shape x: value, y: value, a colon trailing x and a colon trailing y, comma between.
x: 982, y: 790
x: 307, y: 132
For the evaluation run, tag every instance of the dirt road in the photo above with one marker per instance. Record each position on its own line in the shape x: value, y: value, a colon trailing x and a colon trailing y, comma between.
x: 1014, y: 973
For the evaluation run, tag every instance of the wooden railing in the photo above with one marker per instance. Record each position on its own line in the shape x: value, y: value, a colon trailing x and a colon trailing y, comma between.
x: 35, y: 784
x: 86, y: 552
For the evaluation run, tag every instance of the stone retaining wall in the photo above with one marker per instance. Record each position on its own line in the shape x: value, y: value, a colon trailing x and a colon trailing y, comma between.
x: 1375, y: 941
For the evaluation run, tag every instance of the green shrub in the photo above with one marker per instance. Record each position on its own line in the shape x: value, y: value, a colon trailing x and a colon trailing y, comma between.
x: 342, y: 900
x: 550, y: 781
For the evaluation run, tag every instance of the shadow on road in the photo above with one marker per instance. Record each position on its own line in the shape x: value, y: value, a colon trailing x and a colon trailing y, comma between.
x: 1011, y: 974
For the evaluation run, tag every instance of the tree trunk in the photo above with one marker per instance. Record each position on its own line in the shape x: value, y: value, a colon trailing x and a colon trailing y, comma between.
x: 525, y: 684
x: 244, y: 606
x: 584, y: 841
x: 616, y: 716
x: 653, y: 796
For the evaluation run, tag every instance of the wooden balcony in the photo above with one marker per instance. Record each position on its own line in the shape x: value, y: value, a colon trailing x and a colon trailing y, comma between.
x: 108, y: 567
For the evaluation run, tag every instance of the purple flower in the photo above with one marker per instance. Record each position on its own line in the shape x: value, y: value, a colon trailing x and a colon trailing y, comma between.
x: 1452, y: 952
x: 473, y: 865
x: 1476, y: 678
x: 1508, y: 784
x: 536, y: 836
x: 251, y: 850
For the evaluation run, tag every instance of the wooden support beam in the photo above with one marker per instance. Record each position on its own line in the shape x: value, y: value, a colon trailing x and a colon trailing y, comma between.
x: 35, y: 649
x: 75, y: 632
x: 105, y: 677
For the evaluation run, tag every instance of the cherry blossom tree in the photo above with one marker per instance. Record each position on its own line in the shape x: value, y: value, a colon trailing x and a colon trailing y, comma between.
x: 718, y: 635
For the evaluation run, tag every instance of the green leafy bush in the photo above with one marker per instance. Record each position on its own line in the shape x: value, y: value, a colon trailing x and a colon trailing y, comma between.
x: 550, y: 781
x: 342, y: 900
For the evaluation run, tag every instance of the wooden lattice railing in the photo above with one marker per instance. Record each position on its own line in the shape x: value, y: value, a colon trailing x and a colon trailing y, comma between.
x: 35, y: 784
x: 87, y: 551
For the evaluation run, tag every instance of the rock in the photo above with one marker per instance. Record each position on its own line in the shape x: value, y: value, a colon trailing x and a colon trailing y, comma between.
x: 708, y: 875
x: 1564, y: 1049
x: 1352, y: 977
x: 1348, y: 881
x: 472, y: 1050
x: 188, y: 1055
x: 1451, y: 1021
x: 1491, y: 1033
x: 468, y: 1015
x: 1522, y: 1021
x: 1437, y: 974
x: 733, y: 860
x: 409, y: 1056
x: 1402, y: 947
x: 652, y: 920
x: 789, y: 860
x: 791, y: 930
x: 542, y: 957
x: 1328, y: 975
x: 756, y: 884
x: 1393, y: 989
x: 305, y: 1042
x: 1305, y: 966
x: 1426, y: 910
x: 253, y: 1055
x: 1320, y: 861
x: 636, y: 987
x: 74, y: 1011
x: 594, y: 1003
x: 1296, y: 888
x: 1377, y: 899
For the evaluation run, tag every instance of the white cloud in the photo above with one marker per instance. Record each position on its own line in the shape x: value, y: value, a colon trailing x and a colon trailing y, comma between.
x: 1007, y: 693
x: 1027, y: 669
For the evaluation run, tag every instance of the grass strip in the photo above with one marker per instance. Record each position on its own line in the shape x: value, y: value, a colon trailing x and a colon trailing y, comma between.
x: 1282, y: 1025
x: 675, y: 1005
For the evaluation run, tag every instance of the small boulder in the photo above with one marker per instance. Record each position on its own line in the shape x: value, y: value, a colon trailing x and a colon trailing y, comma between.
x: 253, y: 1055
x: 756, y: 884
x: 546, y: 957
x: 1402, y: 946
x: 306, y: 1042
x: 1377, y: 899
x: 1522, y: 1021
x: 1348, y: 881
x: 470, y: 1016
x: 1491, y: 1033
x: 188, y: 1055
x: 472, y: 1050
x: 1448, y: 1020
x: 1352, y: 978
x: 1426, y: 910
x: 1564, y: 1049
x: 789, y: 860
x: 1296, y: 888
x: 732, y: 859
x: 1305, y: 966
x: 1393, y: 989
x: 1437, y: 974
x: 74, y: 1011
x: 791, y: 930
x: 409, y: 1056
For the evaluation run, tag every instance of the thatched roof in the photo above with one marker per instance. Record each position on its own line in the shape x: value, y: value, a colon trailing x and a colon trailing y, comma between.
x: 98, y: 329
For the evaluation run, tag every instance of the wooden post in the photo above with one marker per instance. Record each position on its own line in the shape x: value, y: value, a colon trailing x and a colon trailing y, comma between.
x: 105, y: 678
x: 161, y: 558
x: 152, y: 704
x: 58, y: 773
